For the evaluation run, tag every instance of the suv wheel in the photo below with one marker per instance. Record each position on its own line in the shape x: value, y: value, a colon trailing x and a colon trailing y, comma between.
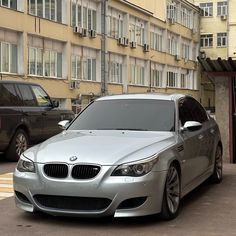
x: 18, y: 145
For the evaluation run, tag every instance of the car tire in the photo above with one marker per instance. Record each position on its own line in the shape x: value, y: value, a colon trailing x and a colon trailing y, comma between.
x: 217, y: 175
x: 18, y: 145
x: 171, y: 194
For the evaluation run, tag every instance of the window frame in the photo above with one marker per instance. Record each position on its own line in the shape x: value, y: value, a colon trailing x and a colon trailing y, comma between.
x: 57, y: 17
x: 221, y: 37
x: 206, y: 40
x: 222, y: 10
x: 10, y: 57
x: 207, y: 9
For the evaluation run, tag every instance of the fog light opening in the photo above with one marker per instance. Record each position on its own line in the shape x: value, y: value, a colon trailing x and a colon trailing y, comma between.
x: 132, y: 203
x: 22, y: 197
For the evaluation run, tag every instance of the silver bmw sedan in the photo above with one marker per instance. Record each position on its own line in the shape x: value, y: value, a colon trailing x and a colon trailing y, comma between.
x: 123, y: 155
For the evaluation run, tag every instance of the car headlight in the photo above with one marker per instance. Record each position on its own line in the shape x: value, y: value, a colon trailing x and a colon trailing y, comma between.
x: 137, y: 168
x: 25, y: 165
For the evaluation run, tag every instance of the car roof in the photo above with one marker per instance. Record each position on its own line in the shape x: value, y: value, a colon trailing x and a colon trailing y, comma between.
x: 156, y: 96
x: 16, y: 82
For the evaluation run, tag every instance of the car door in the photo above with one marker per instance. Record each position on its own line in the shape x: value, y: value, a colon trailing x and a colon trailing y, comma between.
x: 10, y: 113
x: 31, y: 113
x: 190, y: 142
x: 50, y: 114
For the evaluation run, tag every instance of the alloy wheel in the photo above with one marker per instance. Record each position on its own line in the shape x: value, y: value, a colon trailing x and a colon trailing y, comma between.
x: 21, y: 144
x: 173, y: 189
x: 218, y: 163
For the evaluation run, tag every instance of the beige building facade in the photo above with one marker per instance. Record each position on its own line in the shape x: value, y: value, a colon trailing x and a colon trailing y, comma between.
x: 217, y: 37
x: 82, y: 49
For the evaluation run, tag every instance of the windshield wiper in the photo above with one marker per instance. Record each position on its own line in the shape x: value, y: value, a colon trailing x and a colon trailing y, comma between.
x: 131, y: 129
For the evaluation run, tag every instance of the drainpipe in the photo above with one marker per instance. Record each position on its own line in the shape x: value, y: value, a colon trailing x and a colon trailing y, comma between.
x: 104, y: 71
x: 227, y: 29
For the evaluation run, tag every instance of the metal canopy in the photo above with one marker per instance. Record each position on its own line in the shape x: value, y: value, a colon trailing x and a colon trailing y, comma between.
x: 218, y: 67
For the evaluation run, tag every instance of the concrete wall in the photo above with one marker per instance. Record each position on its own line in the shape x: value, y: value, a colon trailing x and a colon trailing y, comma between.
x: 223, y: 112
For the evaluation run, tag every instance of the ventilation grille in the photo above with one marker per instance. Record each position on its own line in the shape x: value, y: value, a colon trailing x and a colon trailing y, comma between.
x: 85, y: 171
x: 72, y: 203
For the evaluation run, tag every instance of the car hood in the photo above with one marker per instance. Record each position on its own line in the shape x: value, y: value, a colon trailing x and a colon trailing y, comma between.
x: 101, y: 147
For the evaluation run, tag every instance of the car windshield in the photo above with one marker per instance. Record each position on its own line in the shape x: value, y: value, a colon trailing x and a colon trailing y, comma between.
x: 127, y: 114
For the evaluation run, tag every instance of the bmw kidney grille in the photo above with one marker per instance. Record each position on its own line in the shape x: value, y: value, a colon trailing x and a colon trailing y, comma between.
x: 78, y: 171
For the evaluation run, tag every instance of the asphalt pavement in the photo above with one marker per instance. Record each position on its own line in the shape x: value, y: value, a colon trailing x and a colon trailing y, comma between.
x: 209, y: 210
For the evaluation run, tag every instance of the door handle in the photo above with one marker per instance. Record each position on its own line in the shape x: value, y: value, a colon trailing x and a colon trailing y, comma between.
x: 200, y: 136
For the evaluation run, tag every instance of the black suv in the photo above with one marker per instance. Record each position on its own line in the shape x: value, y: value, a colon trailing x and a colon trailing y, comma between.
x: 27, y: 116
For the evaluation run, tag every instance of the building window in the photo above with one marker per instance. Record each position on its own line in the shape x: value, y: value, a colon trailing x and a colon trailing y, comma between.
x: 156, y: 78
x: 183, y: 81
x: 172, y: 11
x: 207, y: 9
x: 172, y: 44
x: 9, y: 3
x: 46, y: 63
x: 222, y: 8
x: 206, y: 40
x: 35, y: 65
x: 172, y: 79
x: 186, y: 17
x: 49, y: 9
x: 137, y: 72
x: 136, y: 31
x: 8, y: 57
x: 115, y: 23
x: 185, y: 49
x: 84, y: 15
x: 115, y: 73
x: 221, y: 39
x: 156, y: 39
x: 83, y: 68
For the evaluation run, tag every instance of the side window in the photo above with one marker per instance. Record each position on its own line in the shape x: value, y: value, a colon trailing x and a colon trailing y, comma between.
x: 9, y: 97
x: 27, y: 95
x: 191, y: 110
x: 198, y: 111
x: 185, y: 113
x: 41, y: 96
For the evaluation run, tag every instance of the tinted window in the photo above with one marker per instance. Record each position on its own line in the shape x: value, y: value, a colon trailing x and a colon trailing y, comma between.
x: 27, y: 95
x: 41, y: 96
x: 136, y: 114
x: 9, y: 96
x: 191, y: 110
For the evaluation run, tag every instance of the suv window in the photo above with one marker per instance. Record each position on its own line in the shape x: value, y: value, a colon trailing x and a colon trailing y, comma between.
x: 27, y: 95
x: 191, y: 110
x: 41, y: 97
x: 9, y: 97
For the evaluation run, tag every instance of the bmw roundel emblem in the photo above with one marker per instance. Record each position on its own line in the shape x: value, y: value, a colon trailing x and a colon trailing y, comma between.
x: 73, y: 158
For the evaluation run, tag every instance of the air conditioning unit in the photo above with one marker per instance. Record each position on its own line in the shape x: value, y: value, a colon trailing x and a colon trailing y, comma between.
x: 74, y: 84
x: 224, y: 17
x: 177, y: 57
x: 84, y: 32
x: 76, y: 29
x: 126, y: 42
x: 146, y: 47
x: 133, y: 44
x: 93, y: 34
x: 121, y: 41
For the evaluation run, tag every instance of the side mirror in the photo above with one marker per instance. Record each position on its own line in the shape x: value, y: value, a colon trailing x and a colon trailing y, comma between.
x: 191, y: 126
x: 63, y: 124
x: 55, y: 103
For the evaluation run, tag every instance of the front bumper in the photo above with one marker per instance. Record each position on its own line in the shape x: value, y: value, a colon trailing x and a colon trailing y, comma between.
x: 115, y: 188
